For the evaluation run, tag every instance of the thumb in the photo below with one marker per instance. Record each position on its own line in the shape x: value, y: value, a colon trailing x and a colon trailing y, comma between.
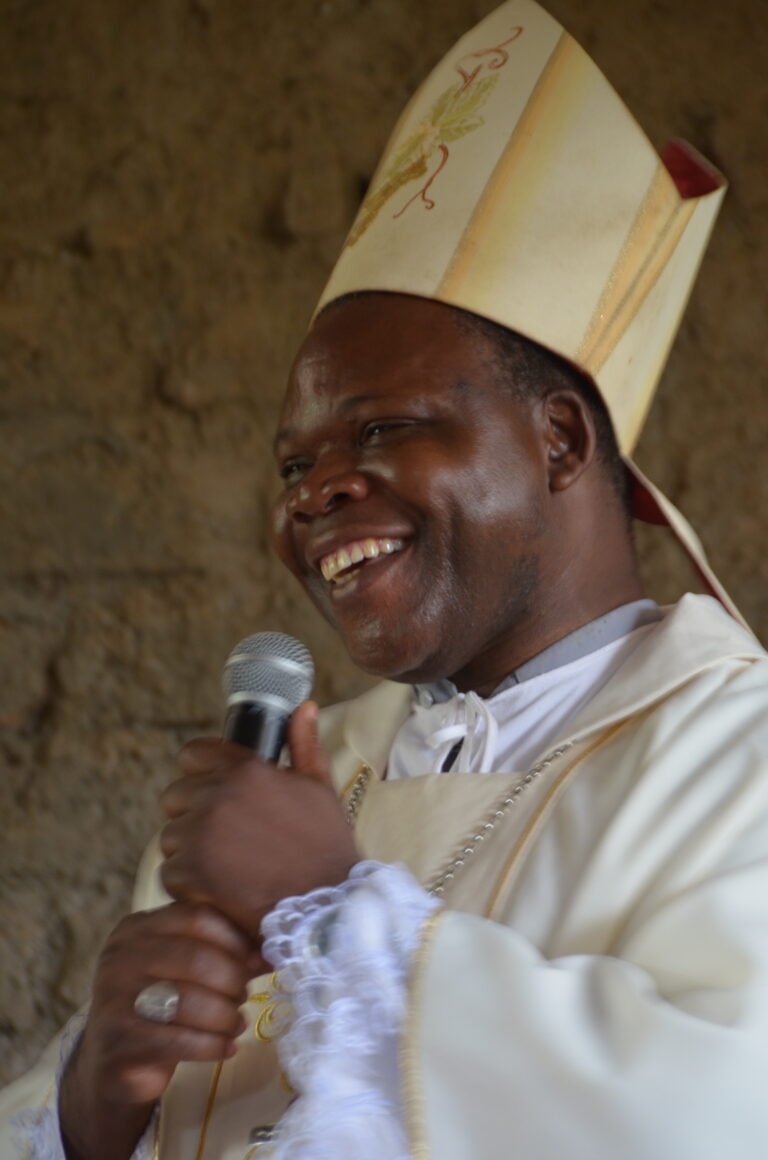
x: 307, y: 754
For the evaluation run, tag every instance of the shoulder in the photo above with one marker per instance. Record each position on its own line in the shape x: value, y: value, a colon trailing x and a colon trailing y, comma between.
x: 701, y: 746
x: 706, y: 679
x: 377, y: 707
x: 723, y: 667
x: 698, y: 660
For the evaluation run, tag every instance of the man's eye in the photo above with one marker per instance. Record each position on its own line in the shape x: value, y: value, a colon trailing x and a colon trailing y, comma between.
x: 381, y: 427
x: 292, y: 470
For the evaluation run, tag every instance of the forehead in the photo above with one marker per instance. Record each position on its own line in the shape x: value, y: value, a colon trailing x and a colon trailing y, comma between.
x: 387, y: 344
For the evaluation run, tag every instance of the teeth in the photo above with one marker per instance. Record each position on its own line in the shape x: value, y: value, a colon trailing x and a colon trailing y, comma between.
x: 354, y: 553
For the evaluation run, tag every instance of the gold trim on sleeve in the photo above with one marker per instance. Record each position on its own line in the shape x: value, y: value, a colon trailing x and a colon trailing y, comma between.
x: 209, y: 1109
x: 410, y: 1047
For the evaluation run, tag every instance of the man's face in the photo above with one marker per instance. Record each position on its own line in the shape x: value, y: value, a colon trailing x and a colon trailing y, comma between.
x: 415, y: 490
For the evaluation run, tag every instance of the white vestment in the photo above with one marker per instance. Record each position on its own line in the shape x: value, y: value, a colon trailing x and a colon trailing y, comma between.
x: 596, y: 986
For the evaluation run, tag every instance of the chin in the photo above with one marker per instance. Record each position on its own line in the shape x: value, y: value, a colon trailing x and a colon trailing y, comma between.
x: 378, y: 656
x: 375, y: 653
x: 373, y: 647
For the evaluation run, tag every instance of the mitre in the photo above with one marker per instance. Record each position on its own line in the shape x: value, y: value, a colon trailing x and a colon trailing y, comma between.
x: 518, y: 186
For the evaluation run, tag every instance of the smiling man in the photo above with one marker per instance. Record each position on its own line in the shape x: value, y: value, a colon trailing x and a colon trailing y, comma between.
x: 515, y: 895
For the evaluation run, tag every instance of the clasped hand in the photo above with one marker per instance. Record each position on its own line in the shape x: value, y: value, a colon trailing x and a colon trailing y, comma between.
x: 243, y: 834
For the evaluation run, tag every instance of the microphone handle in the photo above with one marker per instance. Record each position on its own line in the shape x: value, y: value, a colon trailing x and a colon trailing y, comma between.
x: 257, y: 727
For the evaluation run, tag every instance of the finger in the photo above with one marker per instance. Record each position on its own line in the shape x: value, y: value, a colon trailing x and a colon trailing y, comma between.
x: 208, y: 754
x: 167, y: 1043
x: 201, y: 1009
x: 179, y: 833
x: 199, y: 964
x: 141, y: 1085
x: 171, y: 836
x: 180, y: 880
x: 180, y: 919
x: 181, y: 795
x: 307, y: 754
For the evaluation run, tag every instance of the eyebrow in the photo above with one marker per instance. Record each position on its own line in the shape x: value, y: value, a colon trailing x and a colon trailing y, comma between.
x: 345, y: 407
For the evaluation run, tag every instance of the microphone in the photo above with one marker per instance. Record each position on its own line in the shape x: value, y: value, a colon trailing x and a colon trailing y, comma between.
x: 266, y: 677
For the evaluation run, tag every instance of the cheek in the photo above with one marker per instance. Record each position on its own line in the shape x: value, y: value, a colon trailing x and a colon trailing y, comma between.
x: 508, y: 497
x: 285, y: 545
x: 282, y: 536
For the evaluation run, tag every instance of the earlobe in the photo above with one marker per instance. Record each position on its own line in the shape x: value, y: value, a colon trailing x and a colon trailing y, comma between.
x: 571, y: 438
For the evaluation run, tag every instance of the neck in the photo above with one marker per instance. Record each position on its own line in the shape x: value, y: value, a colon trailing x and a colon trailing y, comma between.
x: 593, y: 583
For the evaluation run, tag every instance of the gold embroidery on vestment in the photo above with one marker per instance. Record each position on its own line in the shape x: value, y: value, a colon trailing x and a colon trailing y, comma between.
x: 355, y: 790
x: 410, y: 1048
x: 275, y: 1011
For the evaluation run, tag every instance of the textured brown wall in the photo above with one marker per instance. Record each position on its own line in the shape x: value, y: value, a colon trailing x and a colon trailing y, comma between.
x: 177, y: 178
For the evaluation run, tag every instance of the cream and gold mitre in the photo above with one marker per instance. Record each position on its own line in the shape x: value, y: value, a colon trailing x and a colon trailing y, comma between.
x: 518, y: 186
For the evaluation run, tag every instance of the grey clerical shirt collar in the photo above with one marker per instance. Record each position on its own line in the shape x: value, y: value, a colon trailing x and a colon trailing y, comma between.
x: 579, y: 643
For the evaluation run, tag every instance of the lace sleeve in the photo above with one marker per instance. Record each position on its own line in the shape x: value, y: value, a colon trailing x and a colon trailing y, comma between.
x: 342, y: 955
x: 37, y: 1133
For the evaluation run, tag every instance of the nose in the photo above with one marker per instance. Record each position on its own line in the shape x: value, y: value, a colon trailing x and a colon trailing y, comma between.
x: 332, y: 481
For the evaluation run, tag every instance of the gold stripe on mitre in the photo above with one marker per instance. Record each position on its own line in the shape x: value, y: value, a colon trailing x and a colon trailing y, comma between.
x: 518, y: 186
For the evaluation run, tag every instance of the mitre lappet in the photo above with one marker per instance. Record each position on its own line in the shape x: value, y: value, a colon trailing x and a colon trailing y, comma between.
x: 518, y: 186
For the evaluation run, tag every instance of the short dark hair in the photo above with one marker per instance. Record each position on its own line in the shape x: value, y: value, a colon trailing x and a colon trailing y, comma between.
x: 533, y: 372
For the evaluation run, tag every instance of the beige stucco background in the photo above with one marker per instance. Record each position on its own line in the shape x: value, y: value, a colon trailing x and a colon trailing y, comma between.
x: 177, y: 176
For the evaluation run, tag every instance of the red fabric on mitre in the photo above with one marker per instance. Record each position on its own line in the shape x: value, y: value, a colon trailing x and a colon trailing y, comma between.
x: 692, y: 174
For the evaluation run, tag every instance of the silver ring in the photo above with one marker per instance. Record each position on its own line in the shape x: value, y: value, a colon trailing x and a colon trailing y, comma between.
x: 158, y: 1003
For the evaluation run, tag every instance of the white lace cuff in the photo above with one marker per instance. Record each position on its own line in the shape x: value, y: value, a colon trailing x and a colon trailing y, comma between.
x: 342, y: 956
x: 37, y: 1131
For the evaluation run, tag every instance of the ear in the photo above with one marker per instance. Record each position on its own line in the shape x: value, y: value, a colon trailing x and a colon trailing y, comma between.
x: 571, y: 439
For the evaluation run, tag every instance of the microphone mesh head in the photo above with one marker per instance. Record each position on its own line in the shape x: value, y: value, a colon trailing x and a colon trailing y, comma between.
x: 269, y: 666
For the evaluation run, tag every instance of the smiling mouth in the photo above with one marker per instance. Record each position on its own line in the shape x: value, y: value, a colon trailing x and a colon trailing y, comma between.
x: 341, y: 566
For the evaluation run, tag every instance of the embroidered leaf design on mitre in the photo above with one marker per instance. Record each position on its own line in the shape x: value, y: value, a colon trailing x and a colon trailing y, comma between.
x: 453, y: 132
x: 410, y: 149
x: 414, y: 144
x: 452, y: 116
x: 468, y: 100
x: 378, y: 198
